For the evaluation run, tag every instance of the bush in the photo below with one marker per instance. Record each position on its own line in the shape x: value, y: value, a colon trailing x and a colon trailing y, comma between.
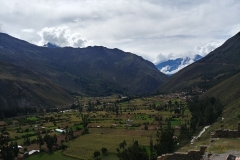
x: 96, y: 154
x: 104, y: 150
x: 78, y: 128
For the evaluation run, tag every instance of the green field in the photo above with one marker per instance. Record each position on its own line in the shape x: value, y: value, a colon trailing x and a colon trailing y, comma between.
x: 84, y: 146
x: 47, y: 156
x: 136, y: 120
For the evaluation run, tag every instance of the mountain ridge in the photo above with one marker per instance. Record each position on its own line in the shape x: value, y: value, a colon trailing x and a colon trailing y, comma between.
x: 217, y: 66
x: 20, y: 87
x: 94, y: 71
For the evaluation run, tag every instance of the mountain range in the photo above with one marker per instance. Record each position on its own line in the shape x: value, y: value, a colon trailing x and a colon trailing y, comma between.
x: 216, y: 67
x: 172, y: 66
x: 91, y: 71
x: 54, y: 73
x: 215, y: 75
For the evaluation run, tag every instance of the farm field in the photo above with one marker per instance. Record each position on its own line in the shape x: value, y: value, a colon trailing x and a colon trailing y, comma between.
x: 55, y: 156
x: 84, y: 146
x: 108, y: 121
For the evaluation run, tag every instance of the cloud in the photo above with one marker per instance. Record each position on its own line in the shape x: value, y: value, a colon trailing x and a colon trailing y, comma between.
x: 202, y: 51
x: 163, y: 57
x: 62, y: 36
x: 30, y: 30
x: 77, y: 20
x: 146, y: 28
x: 207, y: 48
x: 235, y: 29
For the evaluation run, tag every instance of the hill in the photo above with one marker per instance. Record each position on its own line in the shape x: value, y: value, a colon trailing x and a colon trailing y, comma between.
x: 217, y: 66
x: 94, y: 71
x: 228, y: 92
x: 20, y: 87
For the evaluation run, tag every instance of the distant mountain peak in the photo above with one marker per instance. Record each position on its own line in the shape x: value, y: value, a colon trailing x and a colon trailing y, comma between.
x: 172, y: 66
x: 51, y: 45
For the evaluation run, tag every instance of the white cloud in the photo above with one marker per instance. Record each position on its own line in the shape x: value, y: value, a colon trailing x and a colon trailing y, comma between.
x: 203, y: 51
x: 164, y: 57
x: 30, y: 30
x: 146, y: 28
x: 77, y: 20
x: 235, y: 29
x: 209, y: 47
x: 62, y: 36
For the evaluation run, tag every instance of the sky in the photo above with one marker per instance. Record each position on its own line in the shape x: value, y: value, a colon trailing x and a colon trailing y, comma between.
x: 157, y: 30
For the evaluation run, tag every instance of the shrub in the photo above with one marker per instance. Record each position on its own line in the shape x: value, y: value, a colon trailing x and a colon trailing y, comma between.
x: 96, y: 153
x: 104, y: 150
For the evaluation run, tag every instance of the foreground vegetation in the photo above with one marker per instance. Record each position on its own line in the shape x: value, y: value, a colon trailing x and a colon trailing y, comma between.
x: 105, y: 128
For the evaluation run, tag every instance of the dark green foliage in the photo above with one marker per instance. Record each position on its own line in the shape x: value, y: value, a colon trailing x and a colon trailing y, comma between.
x: 85, y: 120
x: 9, y: 151
x: 50, y: 141
x: 204, y: 111
x: 122, y: 145
x: 40, y: 141
x: 185, y: 134
x: 27, y: 140
x: 165, y: 141
x: 85, y: 131
x: 134, y: 152
x: 96, y: 154
x: 153, y: 155
x: 104, y: 150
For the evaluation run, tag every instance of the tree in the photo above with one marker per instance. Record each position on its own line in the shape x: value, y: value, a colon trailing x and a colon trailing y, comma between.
x: 27, y: 140
x: 85, y: 123
x: 40, y: 141
x: 50, y: 141
x: 85, y: 120
x: 134, y: 152
x: 70, y: 133
x: 184, y: 133
x: 165, y: 141
x: 170, y: 105
x: 204, y: 111
x: 116, y: 108
x: 153, y: 155
x: 96, y: 154
x: 122, y: 145
x: 55, y: 139
x: 9, y: 151
x: 15, y: 149
x: 104, y: 150
x: 145, y: 126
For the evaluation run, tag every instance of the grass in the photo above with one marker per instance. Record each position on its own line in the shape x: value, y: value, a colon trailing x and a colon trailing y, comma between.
x: 33, y: 118
x: 109, y: 137
x: 224, y: 144
x: 53, y: 156
x: 84, y: 146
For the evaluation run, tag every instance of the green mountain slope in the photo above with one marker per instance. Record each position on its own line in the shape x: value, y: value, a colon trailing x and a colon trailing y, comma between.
x: 20, y: 88
x: 228, y: 92
x: 95, y: 71
x: 217, y: 66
